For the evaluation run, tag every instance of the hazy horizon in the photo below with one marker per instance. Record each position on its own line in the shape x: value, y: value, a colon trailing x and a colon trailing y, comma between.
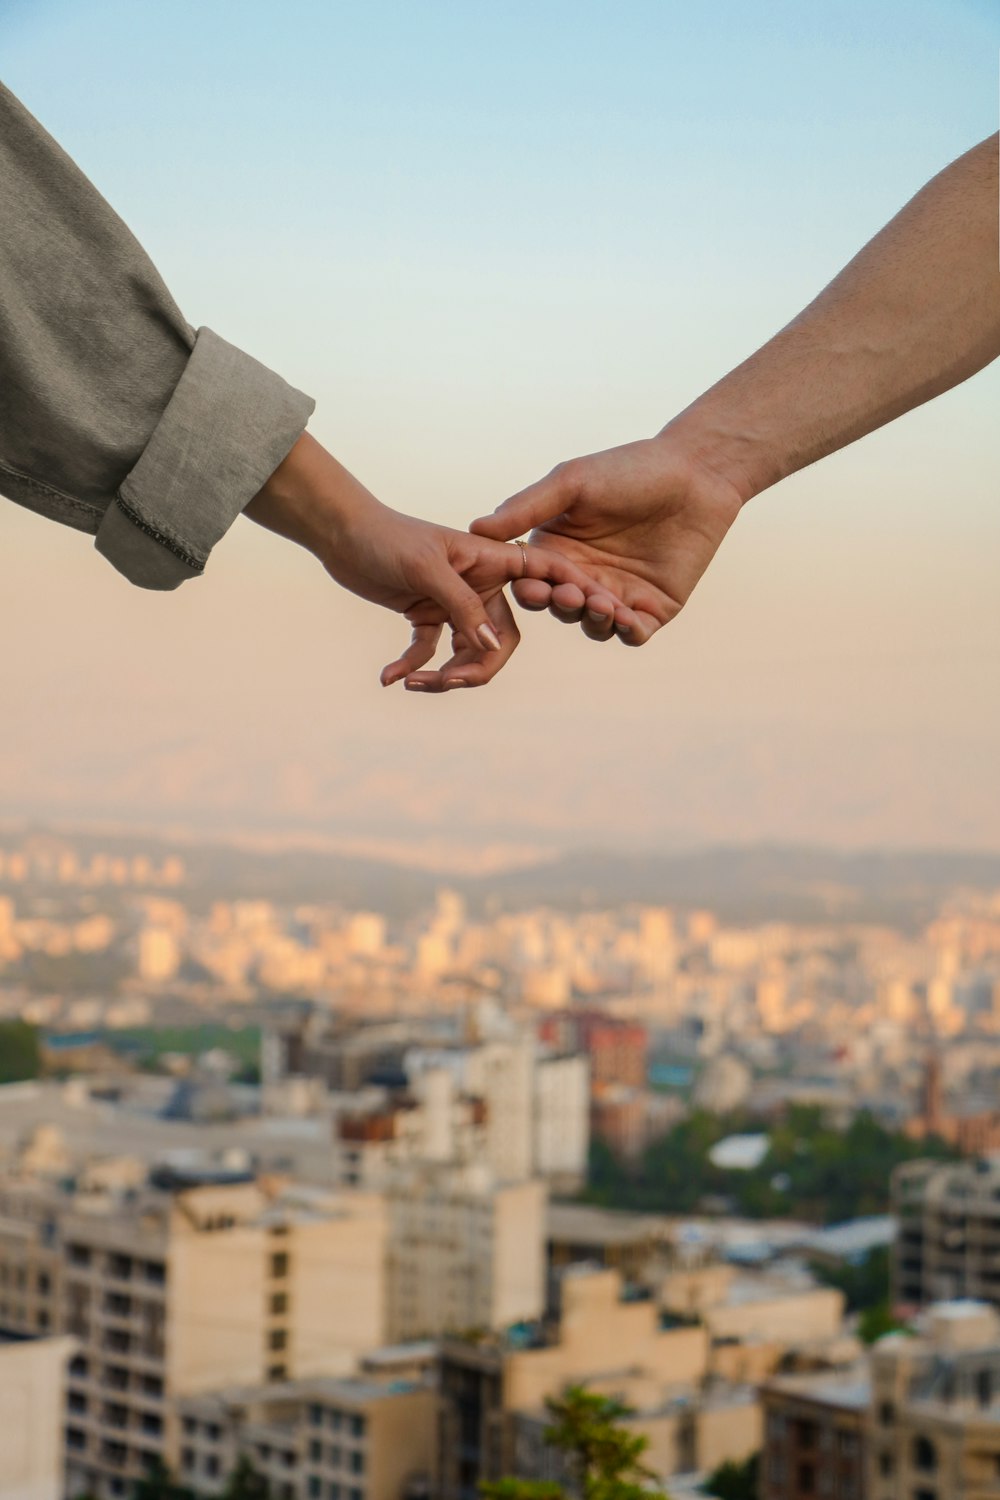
x: 485, y: 243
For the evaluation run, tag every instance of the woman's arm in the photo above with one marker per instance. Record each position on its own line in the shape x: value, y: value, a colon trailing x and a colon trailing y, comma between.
x: 116, y: 416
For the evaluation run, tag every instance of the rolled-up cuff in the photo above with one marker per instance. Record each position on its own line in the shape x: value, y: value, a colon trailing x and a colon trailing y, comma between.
x: 224, y: 431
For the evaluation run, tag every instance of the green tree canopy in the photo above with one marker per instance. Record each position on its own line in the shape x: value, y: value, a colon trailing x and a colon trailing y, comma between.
x: 734, y: 1480
x: 603, y: 1455
x: 246, y: 1482
x: 20, y: 1052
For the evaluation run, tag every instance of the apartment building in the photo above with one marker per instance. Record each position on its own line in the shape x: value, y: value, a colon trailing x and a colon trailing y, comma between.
x: 815, y: 1436
x: 169, y: 1292
x: 464, y: 1252
x: 935, y: 1413
x: 32, y: 1392
x: 918, y: 1419
x: 949, y: 1231
x: 493, y: 1390
x: 321, y: 1439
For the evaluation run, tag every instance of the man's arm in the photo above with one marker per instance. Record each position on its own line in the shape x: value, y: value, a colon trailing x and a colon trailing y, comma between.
x: 914, y: 313
x: 116, y: 416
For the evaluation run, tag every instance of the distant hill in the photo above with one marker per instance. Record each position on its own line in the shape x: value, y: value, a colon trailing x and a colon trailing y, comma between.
x: 743, y: 884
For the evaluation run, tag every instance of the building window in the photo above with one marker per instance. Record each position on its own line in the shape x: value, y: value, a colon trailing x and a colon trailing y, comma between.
x: 277, y: 1338
x: 924, y: 1455
x: 886, y: 1464
x: 279, y: 1264
x: 187, y: 1458
x: 316, y: 1416
x: 152, y: 1424
x: 807, y: 1479
x: 886, y: 1413
x: 357, y: 1426
x: 279, y: 1303
x: 316, y: 1451
x: 277, y: 1372
x: 152, y: 1385
x: 212, y: 1465
x: 77, y: 1402
x: 335, y: 1455
x: 76, y: 1439
x: 79, y: 1255
x: 357, y: 1464
x: 315, y: 1487
x: 336, y: 1421
x: 155, y: 1272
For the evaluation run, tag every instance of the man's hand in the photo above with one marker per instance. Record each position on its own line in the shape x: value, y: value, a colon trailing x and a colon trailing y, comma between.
x: 432, y: 575
x: 642, y: 522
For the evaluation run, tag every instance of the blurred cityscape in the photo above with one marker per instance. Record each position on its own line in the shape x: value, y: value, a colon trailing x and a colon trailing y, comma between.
x: 318, y: 1178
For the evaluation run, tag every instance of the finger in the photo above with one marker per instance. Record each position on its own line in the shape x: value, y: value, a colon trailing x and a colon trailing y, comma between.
x: 567, y: 604
x: 531, y: 593
x: 530, y: 507
x: 471, y: 666
x: 466, y: 609
x: 638, y: 633
x: 423, y: 644
x: 501, y: 562
x: 598, y: 621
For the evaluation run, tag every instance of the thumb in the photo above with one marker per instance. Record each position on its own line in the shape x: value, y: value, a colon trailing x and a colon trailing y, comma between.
x: 465, y: 608
x: 540, y: 502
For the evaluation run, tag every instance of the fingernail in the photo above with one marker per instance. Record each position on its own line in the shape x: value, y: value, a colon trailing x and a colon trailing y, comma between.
x: 416, y: 687
x: 488, y: 636
x: 596, y: 616
x: 456, y: 682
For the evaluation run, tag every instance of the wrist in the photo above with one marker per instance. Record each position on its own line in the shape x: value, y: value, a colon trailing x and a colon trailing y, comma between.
x: 311, y: 499
x: 724, y: 447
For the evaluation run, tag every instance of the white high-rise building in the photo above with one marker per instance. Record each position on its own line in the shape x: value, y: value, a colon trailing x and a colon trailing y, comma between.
x: 562, y: 1119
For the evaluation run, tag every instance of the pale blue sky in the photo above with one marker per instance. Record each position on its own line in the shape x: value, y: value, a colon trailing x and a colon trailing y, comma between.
x: 486, y: 238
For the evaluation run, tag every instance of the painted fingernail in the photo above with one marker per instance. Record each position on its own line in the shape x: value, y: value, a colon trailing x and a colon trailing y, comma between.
x: 488, y: 636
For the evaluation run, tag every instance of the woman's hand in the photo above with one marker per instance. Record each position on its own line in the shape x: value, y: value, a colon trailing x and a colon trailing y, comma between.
x: 431, y: 574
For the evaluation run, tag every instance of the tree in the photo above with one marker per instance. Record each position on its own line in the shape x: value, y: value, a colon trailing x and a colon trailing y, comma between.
x: 20, y: 1052
x: 246, y: 1482
x: 159, y: 1484
x: 603, y: 1455
x: 735, y: 1481
x: 878, y: 1320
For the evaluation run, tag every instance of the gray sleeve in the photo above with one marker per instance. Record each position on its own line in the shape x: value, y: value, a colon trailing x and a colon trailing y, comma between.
x: 116, y: 416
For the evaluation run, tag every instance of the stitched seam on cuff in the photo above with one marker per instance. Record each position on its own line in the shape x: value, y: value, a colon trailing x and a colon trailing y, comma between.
x: 93, y: 511
x: 160, y: 536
